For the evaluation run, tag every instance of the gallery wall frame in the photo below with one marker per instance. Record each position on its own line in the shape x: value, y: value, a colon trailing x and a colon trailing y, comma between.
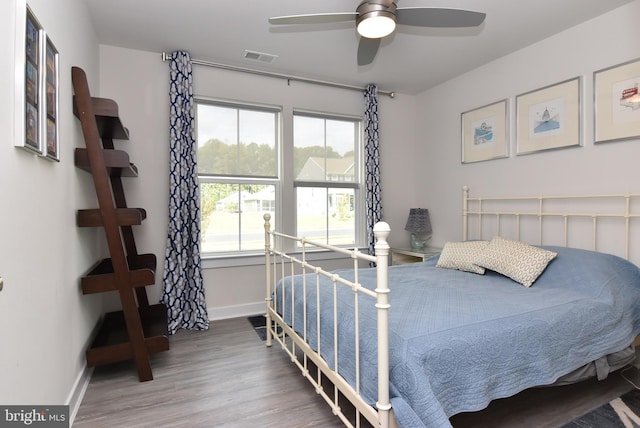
x: 50, y: 140
x: 485, y: 132
x: 37, y: 87
x: 549, y: 117
x: 617, y: 102
x: 32, y: 78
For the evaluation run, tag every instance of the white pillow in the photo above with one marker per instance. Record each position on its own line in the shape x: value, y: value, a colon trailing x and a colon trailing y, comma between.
x: 461, y: 256
x: 521, y: 262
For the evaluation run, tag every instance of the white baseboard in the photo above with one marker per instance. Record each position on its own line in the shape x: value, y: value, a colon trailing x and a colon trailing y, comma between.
x: 78, y: 391
x: 225, y: 312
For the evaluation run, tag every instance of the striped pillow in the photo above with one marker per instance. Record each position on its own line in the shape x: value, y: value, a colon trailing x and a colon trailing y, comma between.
x: 519, y: 261
x: 461, y: 256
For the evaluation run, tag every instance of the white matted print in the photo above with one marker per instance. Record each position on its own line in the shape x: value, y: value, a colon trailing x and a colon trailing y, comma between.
x: 617, y: 102
x: 485, y: 133
x: 549, y: 117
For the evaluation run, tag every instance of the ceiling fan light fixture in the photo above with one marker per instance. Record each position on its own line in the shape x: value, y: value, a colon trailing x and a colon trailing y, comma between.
x: 376, y: 27
x: 376, y: 19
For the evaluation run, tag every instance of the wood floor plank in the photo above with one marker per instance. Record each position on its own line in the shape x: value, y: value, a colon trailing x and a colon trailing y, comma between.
x: 227, y: 377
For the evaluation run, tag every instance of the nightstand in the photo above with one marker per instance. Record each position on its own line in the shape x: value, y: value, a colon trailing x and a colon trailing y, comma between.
x: 400, y: 256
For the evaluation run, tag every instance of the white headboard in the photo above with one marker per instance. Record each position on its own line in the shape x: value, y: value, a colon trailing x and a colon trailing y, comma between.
x: 606, y: 223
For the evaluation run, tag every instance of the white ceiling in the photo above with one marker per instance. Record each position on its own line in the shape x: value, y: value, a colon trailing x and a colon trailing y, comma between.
x: 409, y: 61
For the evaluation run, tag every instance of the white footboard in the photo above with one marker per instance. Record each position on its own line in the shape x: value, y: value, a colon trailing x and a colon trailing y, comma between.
x: 279, y: 264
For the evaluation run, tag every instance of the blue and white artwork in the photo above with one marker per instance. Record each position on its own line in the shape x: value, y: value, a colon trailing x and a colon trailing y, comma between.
x: 547, y: 118
x: 483, y: 134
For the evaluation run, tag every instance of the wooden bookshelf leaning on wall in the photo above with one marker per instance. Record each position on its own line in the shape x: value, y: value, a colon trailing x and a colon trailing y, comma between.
x: 139, y: 329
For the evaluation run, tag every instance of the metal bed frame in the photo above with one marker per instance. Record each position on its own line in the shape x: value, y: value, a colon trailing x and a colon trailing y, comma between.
x: 504, y: 216
x: 540, y: 211
x: 291, y: 342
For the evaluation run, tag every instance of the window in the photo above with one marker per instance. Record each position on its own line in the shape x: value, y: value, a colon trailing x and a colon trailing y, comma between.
x: 242, y: 176
x: 238, y: 172
x: 326, y: 177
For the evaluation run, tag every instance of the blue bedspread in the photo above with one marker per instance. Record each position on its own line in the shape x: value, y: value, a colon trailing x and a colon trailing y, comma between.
x: 459, y: 340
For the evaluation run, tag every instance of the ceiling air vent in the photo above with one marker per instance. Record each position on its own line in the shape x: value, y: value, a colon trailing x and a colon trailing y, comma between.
x: 259, y: 56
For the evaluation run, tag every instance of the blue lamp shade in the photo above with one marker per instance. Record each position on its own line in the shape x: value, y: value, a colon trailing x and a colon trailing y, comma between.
x: 419, y: 223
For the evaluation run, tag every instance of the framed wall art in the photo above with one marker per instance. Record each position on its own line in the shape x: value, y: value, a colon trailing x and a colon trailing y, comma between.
x: 549, y: 118
x: 32, y: 78
x: 37, y: 99
x: 51, y: 101
x: 617, y: 102
x: 485, y: 132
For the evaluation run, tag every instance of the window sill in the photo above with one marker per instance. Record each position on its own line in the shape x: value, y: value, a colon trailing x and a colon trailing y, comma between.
x: 257, y: 259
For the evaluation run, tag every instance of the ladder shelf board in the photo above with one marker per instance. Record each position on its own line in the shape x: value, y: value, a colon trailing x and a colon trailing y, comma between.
x: 116, y: 161
x: 101, y: 277
x: 124, y: 217
x: 112, y: 345
x: 106, y: 113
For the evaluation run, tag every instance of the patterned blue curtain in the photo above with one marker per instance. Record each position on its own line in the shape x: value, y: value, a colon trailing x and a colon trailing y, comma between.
x: 373, y: 195
x: 183, y: 288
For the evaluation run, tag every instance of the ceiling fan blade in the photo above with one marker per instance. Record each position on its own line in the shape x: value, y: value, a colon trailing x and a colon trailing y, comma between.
x: 439, y: 17
x: 367, y: 50
x: 319, y: 18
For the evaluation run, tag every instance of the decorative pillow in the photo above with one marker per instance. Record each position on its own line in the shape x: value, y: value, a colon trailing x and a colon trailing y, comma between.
x: 519, y: 261
x: 460, y: 255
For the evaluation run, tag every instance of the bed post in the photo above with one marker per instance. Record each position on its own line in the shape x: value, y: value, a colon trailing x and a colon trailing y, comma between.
x: 465, y: 210
x: 381, y: 231
x: 267, y: 255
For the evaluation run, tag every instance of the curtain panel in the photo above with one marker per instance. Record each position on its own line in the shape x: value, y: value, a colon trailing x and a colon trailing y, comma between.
x: 373, y: 196
x: 183, y: 288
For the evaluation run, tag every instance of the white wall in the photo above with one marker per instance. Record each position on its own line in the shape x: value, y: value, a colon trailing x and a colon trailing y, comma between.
x: 606, y: 167
x: 44, y: 319
x: 138, y: 81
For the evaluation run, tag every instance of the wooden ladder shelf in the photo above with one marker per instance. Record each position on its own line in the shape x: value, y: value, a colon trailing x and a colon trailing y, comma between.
x: 139, y: 329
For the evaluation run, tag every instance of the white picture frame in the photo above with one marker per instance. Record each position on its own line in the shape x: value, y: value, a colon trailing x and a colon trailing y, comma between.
x: 37, y: 85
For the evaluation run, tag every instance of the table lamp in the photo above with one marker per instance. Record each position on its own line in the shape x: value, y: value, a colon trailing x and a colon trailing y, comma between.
x: 419, y: 224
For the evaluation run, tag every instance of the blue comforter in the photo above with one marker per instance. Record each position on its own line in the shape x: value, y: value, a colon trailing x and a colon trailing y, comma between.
x: 459, y: 340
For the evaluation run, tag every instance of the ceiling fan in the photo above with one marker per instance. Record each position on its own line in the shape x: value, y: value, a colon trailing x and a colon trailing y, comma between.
x: 376, y: 19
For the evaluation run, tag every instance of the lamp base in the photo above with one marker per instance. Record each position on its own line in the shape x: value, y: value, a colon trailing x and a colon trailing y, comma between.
x: 418, y: 243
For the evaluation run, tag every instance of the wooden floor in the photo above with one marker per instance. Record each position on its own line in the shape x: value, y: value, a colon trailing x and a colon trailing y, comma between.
x: 227, y: 377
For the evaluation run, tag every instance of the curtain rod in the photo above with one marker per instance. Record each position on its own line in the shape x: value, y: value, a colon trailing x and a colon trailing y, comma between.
x: 166, y: 57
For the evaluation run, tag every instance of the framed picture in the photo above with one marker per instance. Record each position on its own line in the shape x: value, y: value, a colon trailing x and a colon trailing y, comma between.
x: 617, y: 102
x: 37, y: 100
x: 485, y: 132
x: 549, y: 118
x: 51, y: 101
x: 32, y: 74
